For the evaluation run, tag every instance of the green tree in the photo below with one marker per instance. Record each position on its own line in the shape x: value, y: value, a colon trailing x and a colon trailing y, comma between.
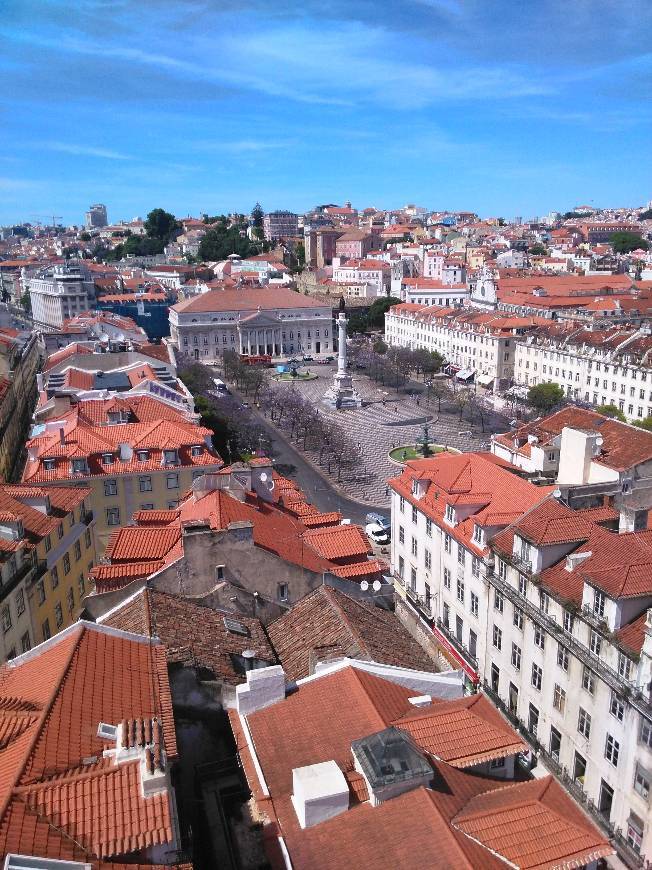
x: 84, y: 237
x: 538, y: 250
x: 611, y: 411
x: 544, y: 397
x: 160, y: 224
x: 572, y: 215
x: 644, y: 424
x: 379, y: 346
x: 624, y: 242
x: 221, y: 241
x: 300, y: 254
x: 257, y: 215
x: 376, y: 314
x: 356, y: 323
x: 26, y: 302
x: 646, y: 215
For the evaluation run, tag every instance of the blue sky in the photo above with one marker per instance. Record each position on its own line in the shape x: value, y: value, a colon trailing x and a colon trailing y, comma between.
x: 507, y: 108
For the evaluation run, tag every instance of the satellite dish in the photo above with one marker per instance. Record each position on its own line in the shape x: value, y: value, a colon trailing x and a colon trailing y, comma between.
x: 263, y: 476
x: 364, y: 585
x: 376, y: 585
x: 556, y: 493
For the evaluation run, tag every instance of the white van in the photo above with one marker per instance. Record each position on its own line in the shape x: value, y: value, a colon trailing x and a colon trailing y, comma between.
x: 376, y: 533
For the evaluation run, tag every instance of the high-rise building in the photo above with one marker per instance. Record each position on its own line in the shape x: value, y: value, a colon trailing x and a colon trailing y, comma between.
x: 96, y: 216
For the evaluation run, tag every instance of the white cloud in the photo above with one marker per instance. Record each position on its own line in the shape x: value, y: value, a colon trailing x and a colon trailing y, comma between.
x: 85, y: 151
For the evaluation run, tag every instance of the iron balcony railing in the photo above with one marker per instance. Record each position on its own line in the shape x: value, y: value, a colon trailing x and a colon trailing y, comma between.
x: 608, y: 674
x: 457, y: 644
x: 572, y: 784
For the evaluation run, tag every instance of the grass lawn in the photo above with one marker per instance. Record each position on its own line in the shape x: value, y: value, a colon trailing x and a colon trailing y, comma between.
x: 403, y: 454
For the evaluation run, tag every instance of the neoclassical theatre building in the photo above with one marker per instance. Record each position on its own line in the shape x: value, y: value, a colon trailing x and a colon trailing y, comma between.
x: 272, y: 321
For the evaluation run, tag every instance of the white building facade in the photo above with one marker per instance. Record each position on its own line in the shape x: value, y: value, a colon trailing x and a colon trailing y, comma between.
x: 608, y: 367
x: 254, y: 322
x: 59, y: 293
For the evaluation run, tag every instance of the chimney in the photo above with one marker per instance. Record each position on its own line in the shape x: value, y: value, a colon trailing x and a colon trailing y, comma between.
x: 264, y: 686
x: 576, y: 453
x: 126, y: 453
x: 575, y: 559
x: 62, y: 435
x: 632, y: 519
x: 319, y: 792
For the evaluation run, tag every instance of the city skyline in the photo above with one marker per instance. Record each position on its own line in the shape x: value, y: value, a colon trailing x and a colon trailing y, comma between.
x: 453, y: 104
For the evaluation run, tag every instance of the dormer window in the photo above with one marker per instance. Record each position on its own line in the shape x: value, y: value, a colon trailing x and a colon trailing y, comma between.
x: 170, y: 457
x: 107, y: 459
x: 49, y: 464
x: 478, y: 534
x: 196, y: 450
x: 78, y: 466
x: 113, y: 416
x: 449, y: 514
x: 143, y: 455
x: 598, y: 602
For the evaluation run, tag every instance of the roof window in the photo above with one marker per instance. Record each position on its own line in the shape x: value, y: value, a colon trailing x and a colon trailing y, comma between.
x: 235, y: 626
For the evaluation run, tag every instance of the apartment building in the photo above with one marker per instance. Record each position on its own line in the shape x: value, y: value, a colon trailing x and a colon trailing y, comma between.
x: 569, y: 657
x: 546, y: 608
x: 280, y: 225
x: 480, y: 345
x: 444, y: 511
x: 133, y: 454
x: 47, y: 543
x: 96, y: 216
x: 59, y: 293
x: 372, y: 277
x: 434, y: 291
x: 587, y: 455
x: 20, y: 358
x: 601, y: 367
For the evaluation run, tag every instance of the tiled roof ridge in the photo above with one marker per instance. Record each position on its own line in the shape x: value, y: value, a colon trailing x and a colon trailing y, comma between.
x: 533, y: 785
x: 357, y: 674
x: 41, y: 719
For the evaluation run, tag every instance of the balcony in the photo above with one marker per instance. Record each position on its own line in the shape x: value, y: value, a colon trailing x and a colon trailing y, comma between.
x: 628, y: 855
x: 521, y: 563
x: 457, y: 644
x: 579, y: 650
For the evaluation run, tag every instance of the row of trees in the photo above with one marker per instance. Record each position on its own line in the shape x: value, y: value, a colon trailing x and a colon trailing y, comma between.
x: 312, y: 431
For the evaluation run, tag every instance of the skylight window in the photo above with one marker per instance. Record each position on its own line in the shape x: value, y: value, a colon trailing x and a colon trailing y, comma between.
x: 235, y: 626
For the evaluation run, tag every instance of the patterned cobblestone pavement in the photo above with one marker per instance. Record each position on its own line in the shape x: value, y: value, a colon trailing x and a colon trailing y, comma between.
x: 378, y: 427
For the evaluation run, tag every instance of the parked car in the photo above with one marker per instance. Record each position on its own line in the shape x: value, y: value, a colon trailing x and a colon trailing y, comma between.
x: 308, y: 359
x: 326, y: 360
x: 376, y: 533
x: 379, y: 519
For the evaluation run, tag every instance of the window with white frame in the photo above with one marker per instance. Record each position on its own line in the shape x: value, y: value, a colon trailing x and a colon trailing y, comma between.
x: 617, y: 707
x: 447, y: 578
x: 497, y: 638
x: 415, y: 515
x: 401, y: 504
x: 562, y: 657
x: 539, y: 637
x: 475, y: 604
x: 460, y: 590
x: 518, y: 618
x: 642, y: 781
x: 475, y: 566
x: 544, y: 601
x: 645, y: 733
x: 569, y: 621
x: 584, y: 723
x: 429, y: 528
x: 595, y: 642
x: 502, y: 569
x: 427, y: 559
x: 588, y: 680
x: 113, y: 516
x: 414, y: 546
x: 612, y: 749
x: 559, y: 698
x: 461, y: 554
x: 499, y: 601
x: 522, y: 584
x: 401, y: 535
x: 449, y: 513
x: 516, y: 656
x: 598, y: 602
x: 624, y: 666
x: 110, y: 487
x: 537, y: 677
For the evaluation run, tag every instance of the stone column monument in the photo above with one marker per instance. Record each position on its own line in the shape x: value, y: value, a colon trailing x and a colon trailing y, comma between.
x: 342, y: 393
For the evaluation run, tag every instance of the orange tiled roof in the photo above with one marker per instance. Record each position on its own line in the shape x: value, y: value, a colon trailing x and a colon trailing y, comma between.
x: 59, y: 797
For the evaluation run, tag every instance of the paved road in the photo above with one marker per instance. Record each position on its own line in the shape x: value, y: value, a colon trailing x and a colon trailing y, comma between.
x: 318, y: 490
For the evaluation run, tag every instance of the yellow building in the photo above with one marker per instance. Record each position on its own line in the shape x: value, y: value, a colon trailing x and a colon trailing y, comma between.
x: 47, y: 550
x: 19, y: 363
x: 133, y: 454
